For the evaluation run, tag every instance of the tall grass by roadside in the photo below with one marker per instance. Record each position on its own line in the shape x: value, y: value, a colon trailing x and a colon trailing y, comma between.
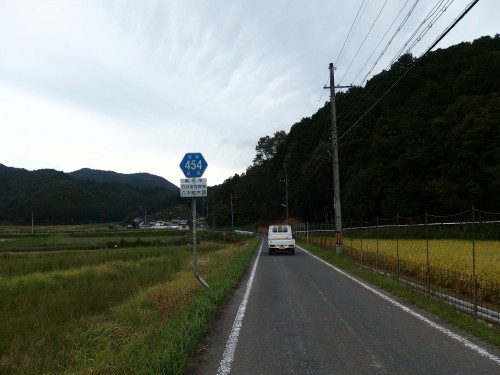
x: 111, y: 311
x: 179, y: 315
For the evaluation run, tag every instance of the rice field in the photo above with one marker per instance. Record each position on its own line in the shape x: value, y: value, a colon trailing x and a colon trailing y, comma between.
x: 110, y: 311
x: 450, y: 254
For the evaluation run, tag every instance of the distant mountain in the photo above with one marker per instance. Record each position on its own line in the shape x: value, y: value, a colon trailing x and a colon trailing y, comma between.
x: 138, y: 180
x: 95, y: 196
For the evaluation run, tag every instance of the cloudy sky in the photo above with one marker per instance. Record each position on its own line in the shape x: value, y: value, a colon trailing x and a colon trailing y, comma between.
x: 131, y: 86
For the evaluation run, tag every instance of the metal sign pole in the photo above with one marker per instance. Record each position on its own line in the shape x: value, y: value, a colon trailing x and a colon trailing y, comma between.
x: 195, y: 247
x: 193, y: 166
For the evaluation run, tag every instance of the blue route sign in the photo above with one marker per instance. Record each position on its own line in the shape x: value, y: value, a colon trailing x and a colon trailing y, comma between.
x: 193, y: 164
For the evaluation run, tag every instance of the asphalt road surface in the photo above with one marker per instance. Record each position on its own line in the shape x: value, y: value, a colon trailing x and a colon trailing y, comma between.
x: 298, y: 315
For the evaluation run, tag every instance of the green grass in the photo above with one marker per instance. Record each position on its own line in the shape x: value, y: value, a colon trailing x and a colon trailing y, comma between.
x: 89, y: 239
x: 447, y: 313
x: 20, y: 243
x: 26, y: 263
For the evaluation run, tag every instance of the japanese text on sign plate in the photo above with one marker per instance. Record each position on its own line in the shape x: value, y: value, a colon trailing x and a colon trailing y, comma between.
x: 193, y: 187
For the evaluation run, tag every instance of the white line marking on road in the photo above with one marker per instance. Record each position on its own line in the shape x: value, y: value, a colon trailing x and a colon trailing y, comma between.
x: 415, y: 314
x: 228, y: 356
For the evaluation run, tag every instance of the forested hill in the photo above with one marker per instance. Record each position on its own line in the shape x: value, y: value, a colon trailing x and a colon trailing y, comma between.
x: 60, y: 198
x: 139, y: 180
x: 432, y: 144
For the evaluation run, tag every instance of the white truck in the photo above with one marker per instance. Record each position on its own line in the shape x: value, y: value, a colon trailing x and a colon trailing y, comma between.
x: 280, y: 239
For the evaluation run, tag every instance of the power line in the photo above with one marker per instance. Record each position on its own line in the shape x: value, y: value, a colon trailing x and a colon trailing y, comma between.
x: 383, y: 37
x: 399, y: 28
x: 438, y: 7
x: 431, y: 23
x: 364, y: 40
x: 353, y: 26
x: 351, y: 31
x: 403, y: 22
x: 448, y: 29
x: 432, y: 13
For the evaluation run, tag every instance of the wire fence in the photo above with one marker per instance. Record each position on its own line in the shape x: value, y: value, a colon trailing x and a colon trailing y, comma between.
x: 454, y: 257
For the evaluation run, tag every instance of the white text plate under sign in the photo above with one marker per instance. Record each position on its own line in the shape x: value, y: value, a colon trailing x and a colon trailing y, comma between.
x: 193, y: 187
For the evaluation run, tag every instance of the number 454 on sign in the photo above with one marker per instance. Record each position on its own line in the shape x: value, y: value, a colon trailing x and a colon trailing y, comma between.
x: 193, y: 164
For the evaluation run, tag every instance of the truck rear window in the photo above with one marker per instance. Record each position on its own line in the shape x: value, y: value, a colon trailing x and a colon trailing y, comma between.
x: 280, y: 229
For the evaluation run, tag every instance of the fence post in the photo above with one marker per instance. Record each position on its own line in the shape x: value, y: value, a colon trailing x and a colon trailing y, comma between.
x: 397, y: 244
x: 376, y: 258
x: 350, y: 251
x: 474, y: 278
x: 361, y: 240
x: 428, y: 270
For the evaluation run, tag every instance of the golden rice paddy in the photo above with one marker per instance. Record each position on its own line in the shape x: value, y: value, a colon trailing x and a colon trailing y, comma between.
x: 458, y: 255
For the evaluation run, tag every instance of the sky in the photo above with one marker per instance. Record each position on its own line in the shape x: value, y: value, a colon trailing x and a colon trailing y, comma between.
x: 132, y: 86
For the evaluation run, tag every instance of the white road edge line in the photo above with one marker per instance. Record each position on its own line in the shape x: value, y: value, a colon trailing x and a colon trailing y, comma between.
x: 228, y: 356
x: 415, y: 314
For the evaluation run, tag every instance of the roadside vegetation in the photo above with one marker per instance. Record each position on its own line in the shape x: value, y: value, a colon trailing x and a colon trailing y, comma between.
x: 112, y: 310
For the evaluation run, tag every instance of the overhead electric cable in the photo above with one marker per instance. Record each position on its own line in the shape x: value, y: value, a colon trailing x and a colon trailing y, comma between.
x: 355, y: 22
x: 407, y: 17
x: 320, y: 97
x: 432, y: 13
x: 349, y: 34
x: 381, y: 40
x: 431, y: 23
x: 448, y: 29
x: 364, y: 40
x: 399, y: 28
x: 278, y: 201
x: 434, y: 10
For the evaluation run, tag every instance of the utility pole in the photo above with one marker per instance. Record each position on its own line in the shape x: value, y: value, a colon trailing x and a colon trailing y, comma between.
x: 232, y: 213
x: 336, y: 180
x: 286, y: 197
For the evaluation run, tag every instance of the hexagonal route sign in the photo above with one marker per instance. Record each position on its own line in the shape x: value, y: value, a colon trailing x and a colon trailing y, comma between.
x: 193, y: 164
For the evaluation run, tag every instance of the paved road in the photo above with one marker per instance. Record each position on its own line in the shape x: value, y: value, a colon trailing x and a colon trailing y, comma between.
x: 301, y: 316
